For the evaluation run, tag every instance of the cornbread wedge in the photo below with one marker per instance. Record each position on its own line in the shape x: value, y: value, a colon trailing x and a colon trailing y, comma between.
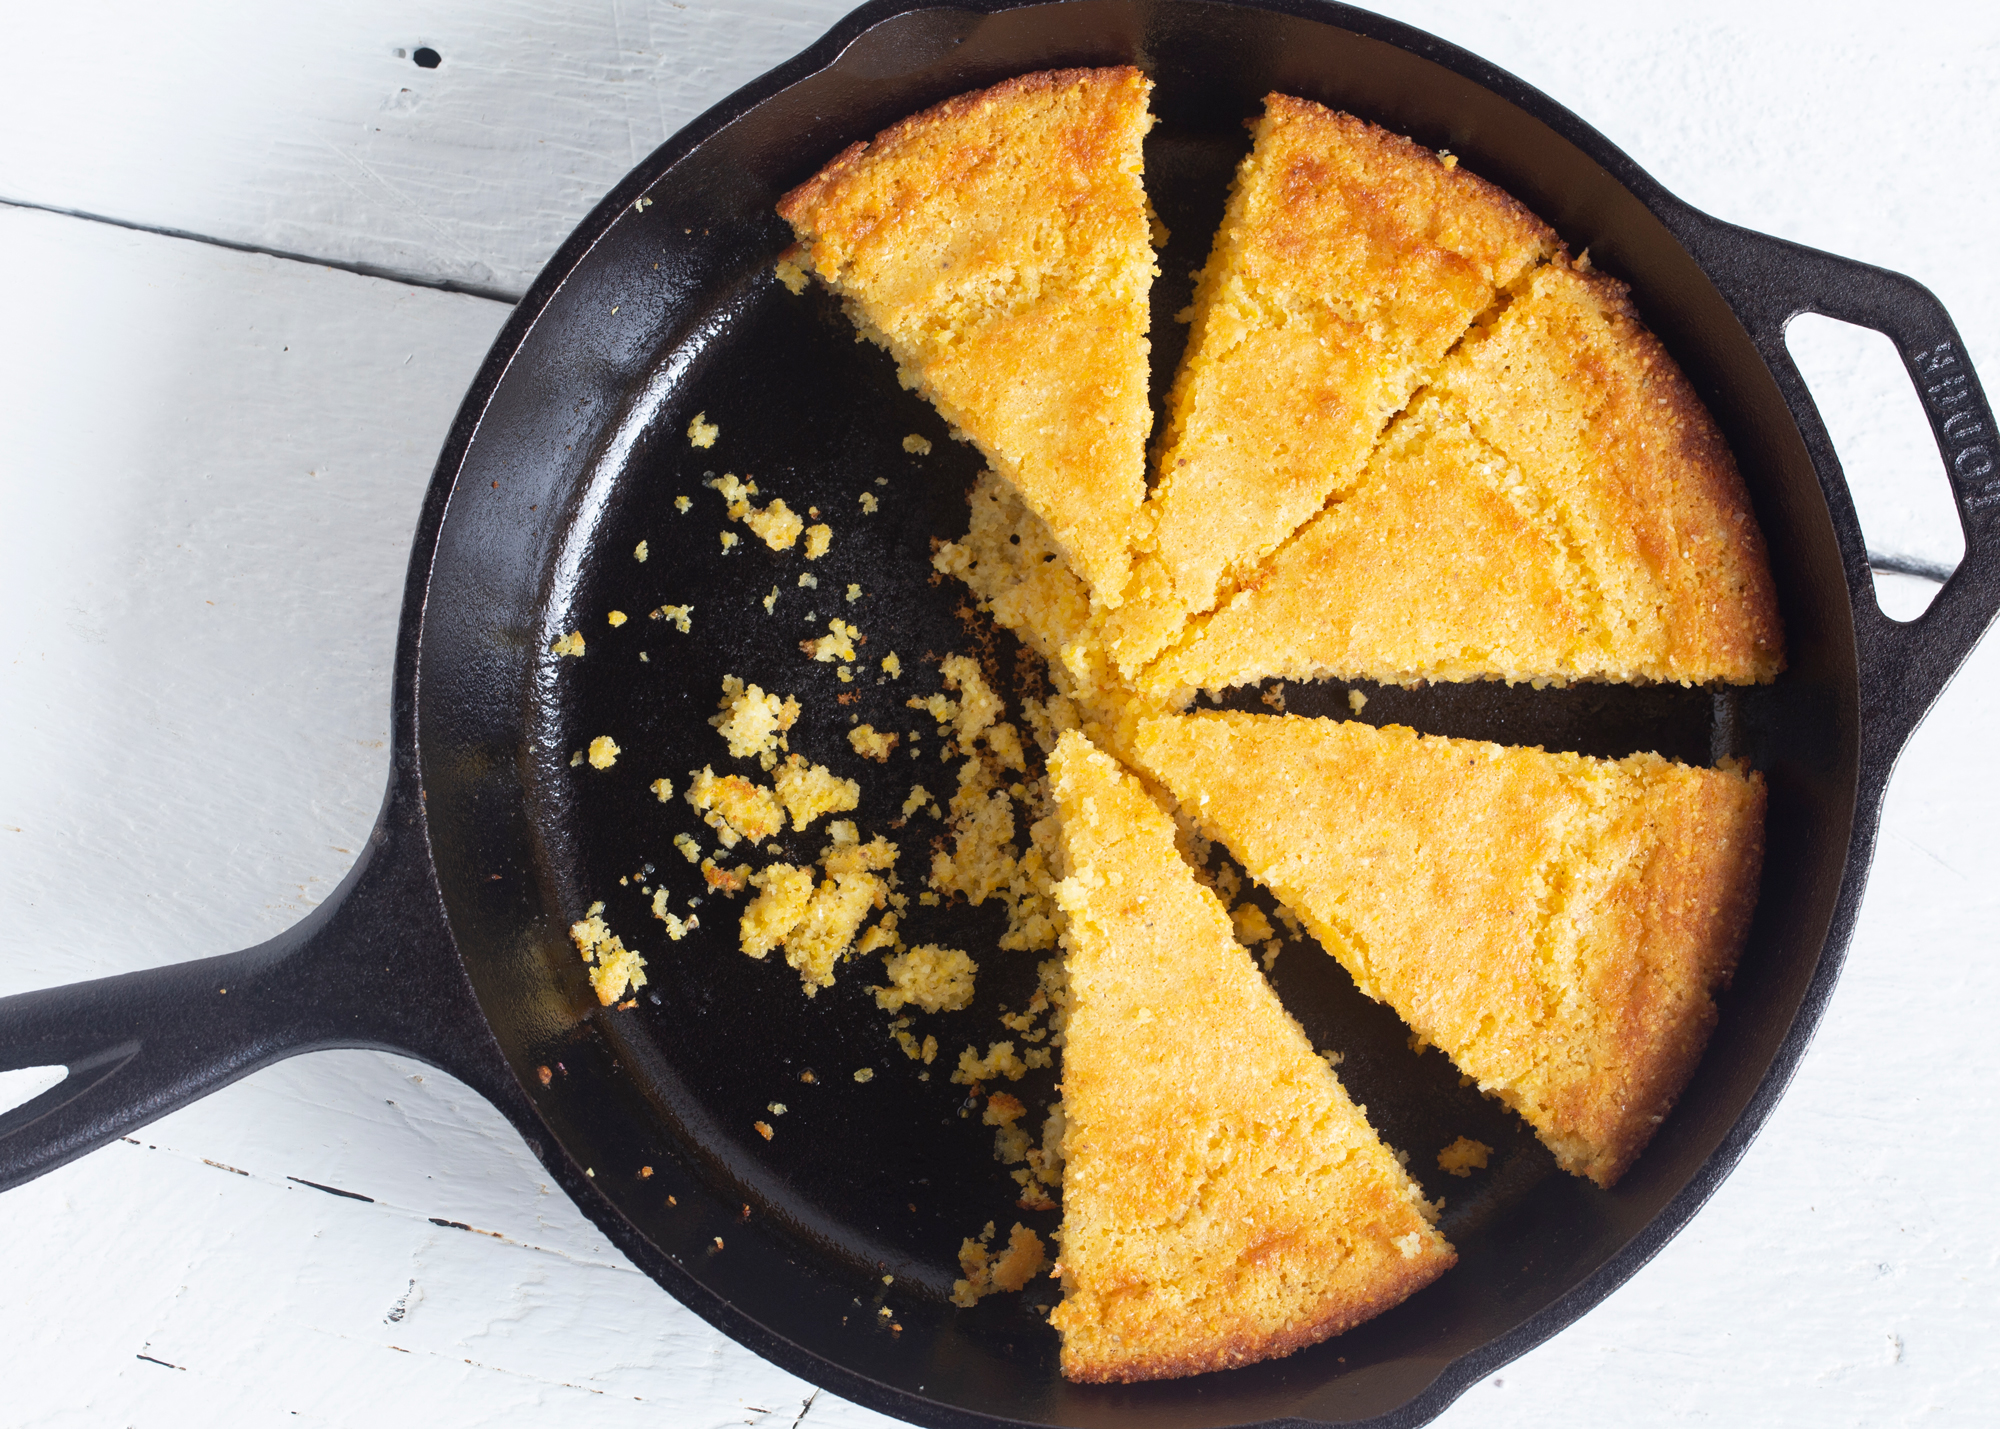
x: 1557, y: 504
x: 1349, y: 261
x: 1556, y: 924
x: 999, y: 246
x: 1223, y: 1199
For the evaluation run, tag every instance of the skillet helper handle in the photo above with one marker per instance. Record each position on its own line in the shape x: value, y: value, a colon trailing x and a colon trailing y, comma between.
x: 1770, y: 281
x: 373, y: 966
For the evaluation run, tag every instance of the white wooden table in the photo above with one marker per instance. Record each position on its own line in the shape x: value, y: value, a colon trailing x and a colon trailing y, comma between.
x: 211, y: 459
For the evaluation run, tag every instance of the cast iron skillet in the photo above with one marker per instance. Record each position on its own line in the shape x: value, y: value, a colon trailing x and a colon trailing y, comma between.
x: 448, y: 940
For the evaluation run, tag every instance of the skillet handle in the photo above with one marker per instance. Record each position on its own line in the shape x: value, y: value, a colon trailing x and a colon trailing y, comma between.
x: 1770, y: 281
x: 373, y: 966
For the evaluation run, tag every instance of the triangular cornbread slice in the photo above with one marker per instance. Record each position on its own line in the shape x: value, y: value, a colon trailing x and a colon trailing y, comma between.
x: 1348, y: 262
x: 999, y: 246
x: 1556, y: 924
x: 1223, y: 1199
x: 1556, y: 505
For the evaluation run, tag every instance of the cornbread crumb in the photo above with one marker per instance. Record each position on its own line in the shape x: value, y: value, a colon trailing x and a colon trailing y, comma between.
x: 729, y: 539
x: 1251, y: 924
x: 726, y: 881
x: 702, y: 432
x: 817, y: 926
x: 753, y: 722
x: 868, y: 503
x: 664, y: 790
x: 763, y: 1129
x: 771, y: 601
x: 617, y: 618
x: 639, y: 552
x: 690, y: 850
x: 818, y: 539
x: 677, y: 928
x: 776, y: 525
x: 892, y: 665
x: 865, y: 1074
x: 999, y: 1061
x: 837, y: 644
x: 790, y: 274
x: 986, y: 1274
x: 1356, y: 701
x: 776, y: 1108
x: 735, y: 807
x: 678, y: 615
x: 576, y: 759
x: 853, y: 594
x: 616, y: 967
x: 846, y: 673
x: 870, y: 744
x: 810, y: 790
x: 808, y: 581
x: 934, y: 978
x: 917, y: 445
x: 919, y: 798
x: 681, y: 504
x: 603, y: 752
x: 1464, y: 1156
x: 570, y: 644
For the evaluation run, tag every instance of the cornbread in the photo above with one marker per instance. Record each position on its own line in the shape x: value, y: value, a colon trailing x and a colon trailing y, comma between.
x: 810, y: 790
x: 614, y: 967
x: 1556, y: 924
x: 1557, y: 505
x: 934, y: 978
x: 816, y: 920
x: 752, y: 722
x: 1223, y: 1199
x: 1348, y: 262
x: 999, y: 246
x: 986, y: 1272
x: 735, y: 807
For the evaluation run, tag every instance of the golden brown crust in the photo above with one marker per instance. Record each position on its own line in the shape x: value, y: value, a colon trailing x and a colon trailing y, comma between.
x: 1556, y: 924
x: 1557, y: 504
x: 802, y: 203
x: 999, y: 246
x: 1223, y: 1198
x: 1348, y: 263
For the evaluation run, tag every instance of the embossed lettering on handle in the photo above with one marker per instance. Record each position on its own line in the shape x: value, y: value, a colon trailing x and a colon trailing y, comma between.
x: 1968, y: 445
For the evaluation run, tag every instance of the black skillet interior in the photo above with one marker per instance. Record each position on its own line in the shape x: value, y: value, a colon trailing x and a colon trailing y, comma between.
x: 581, y: 453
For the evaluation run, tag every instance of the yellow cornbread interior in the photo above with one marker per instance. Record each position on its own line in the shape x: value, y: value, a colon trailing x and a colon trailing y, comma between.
x: 1556, y: 924
x: 999, y: 246
x: 1556, y: 504
x: 1223, y: 1199
x: 1349, y: 261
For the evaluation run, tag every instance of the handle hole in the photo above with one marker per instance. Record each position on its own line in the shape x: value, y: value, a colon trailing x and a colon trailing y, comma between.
x: 1901, y: 493
x: 19, y: 1087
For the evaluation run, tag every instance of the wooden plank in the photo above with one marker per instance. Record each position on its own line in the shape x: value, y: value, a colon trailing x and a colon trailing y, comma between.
x: 299, y: 128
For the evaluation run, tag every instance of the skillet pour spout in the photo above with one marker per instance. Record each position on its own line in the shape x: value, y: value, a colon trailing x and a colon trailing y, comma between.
x: 448, y: 940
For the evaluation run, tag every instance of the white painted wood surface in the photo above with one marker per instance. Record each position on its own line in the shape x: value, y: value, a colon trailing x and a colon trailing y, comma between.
x: 211, y: 464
